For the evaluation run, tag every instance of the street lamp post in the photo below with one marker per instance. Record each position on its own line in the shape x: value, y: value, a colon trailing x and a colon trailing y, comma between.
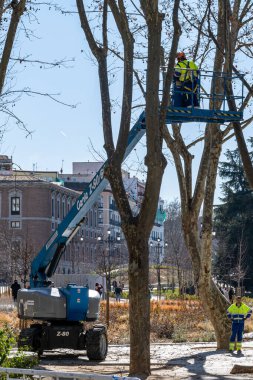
x: 108, y: 277
x: 158, y: 250
x: 107, y: 267
x: 158, y: 268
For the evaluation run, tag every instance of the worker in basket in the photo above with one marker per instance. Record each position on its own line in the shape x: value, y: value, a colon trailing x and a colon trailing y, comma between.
x: 186, y: 84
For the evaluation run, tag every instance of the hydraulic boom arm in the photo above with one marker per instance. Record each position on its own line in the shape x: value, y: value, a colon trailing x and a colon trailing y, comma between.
x: 45, y: 263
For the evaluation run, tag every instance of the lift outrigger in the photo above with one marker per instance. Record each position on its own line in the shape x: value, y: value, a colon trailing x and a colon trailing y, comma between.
x: 63, y: 310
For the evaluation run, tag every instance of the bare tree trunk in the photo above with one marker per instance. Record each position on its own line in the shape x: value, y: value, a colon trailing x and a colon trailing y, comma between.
x: 139, y: 308
x: 232, y: 24
x: 212, y: 300
x: 18, y: 8
x: 242, y: 146
x: 216, y: 305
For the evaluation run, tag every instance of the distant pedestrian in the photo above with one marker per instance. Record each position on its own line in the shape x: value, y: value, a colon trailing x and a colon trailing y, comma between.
x: 99, y: 288
x: 114, y: 284
x: 231, y: 294
x: 14, y: 290
x: 118, y: 293
x: 237, y: 312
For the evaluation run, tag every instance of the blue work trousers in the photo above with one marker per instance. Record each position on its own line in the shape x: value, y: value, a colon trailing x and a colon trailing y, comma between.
x: 186, y: 95
x: 237, y: 331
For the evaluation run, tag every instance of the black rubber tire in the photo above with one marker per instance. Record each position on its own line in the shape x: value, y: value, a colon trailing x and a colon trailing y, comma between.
x: 25, y: 338
x: 30, y: 338
x: 96, y: 343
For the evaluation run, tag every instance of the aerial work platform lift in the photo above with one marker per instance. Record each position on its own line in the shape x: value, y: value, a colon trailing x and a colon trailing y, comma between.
x: 62, y: 309
x: 208, y: 113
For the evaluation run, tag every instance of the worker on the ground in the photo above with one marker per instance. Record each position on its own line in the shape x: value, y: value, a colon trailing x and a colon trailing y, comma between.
x: 185, y: 78
x: 237, y: 312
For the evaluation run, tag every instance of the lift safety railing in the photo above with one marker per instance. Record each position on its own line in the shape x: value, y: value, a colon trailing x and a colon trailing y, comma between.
x: 204, y: 82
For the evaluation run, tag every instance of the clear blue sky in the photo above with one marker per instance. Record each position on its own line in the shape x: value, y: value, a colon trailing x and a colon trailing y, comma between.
x: 61, y: 134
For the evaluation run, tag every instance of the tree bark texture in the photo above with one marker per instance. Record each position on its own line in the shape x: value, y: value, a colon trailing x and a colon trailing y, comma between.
x: 139, y: 304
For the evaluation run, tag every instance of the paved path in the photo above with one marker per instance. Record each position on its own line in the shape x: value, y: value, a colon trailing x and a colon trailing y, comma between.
x: 168, y: 361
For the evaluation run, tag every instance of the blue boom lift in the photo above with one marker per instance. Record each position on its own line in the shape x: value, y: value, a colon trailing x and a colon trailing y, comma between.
x: 62, y: 311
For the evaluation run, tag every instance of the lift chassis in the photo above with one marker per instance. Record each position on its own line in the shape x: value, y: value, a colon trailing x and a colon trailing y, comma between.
x: 50, y: 336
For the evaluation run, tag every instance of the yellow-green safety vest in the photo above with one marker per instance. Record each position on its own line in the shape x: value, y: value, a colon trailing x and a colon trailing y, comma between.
x: 186, y: 70
x: 238, y: 314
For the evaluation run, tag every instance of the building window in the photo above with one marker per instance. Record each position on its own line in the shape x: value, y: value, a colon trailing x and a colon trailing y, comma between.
x: 15, y: 224
x: 63, y: 208
x: 53, y: 207
x: 101, y: 202
x: 58, y: 207
x: 100, y: 217
x: 15, y: 206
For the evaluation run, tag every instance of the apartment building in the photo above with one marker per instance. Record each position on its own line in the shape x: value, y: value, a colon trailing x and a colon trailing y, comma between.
x: 101, y: 229
x: 31, y: 208
x: 108, y: 217
x: 33, y: 204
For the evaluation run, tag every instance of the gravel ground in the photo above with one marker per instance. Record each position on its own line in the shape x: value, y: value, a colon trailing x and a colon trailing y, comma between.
x: 168, y: 361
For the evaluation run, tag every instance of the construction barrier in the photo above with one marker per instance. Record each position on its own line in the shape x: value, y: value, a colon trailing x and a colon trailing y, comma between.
x: 41, y: 374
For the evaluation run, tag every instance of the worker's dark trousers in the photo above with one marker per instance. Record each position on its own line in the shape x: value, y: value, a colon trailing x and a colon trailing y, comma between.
x: 178, y: 97
x: 185, y: 96
x: 237, y: 331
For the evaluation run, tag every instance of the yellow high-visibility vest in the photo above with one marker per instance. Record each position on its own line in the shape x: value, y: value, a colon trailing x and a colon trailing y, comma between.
x: 186, y: 70
x: 238, y: 314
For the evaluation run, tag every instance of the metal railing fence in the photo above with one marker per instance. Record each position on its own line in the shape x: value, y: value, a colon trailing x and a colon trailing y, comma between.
x: 43, y: 374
